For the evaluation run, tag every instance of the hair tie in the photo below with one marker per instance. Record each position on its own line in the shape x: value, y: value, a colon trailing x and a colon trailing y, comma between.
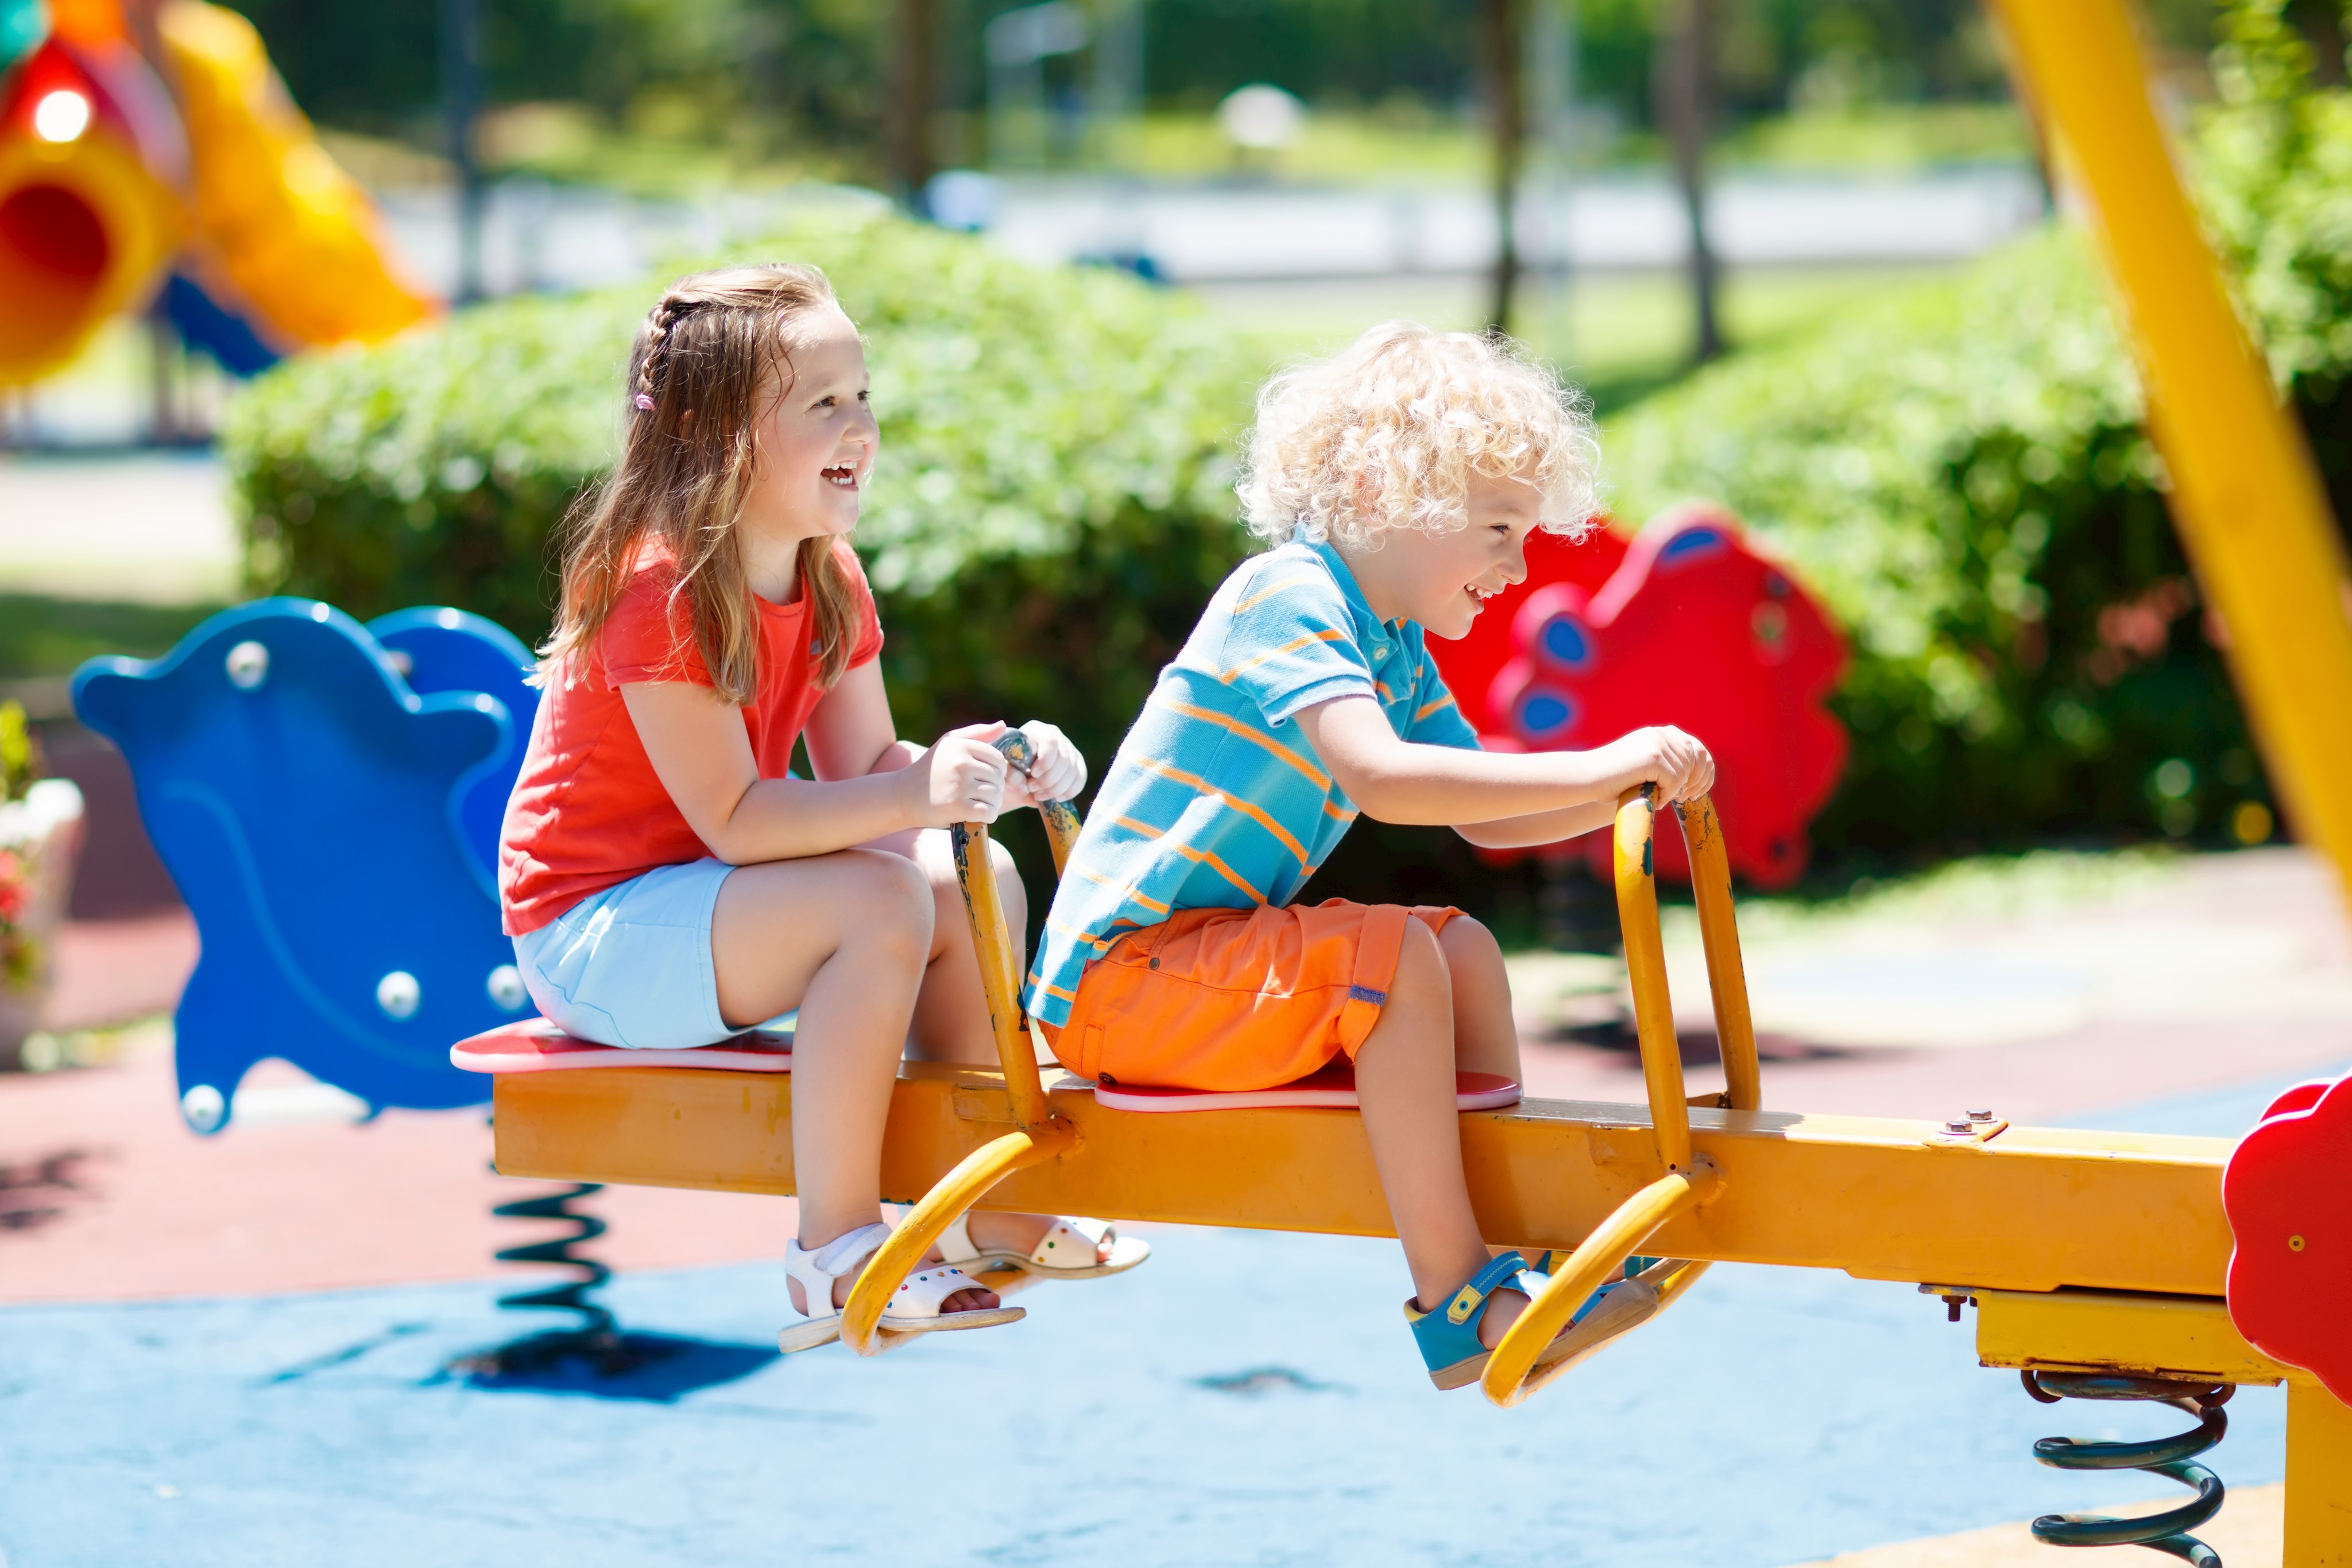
x: 645, y: 401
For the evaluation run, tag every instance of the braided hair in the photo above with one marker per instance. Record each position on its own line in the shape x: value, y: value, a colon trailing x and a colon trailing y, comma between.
x: 698, y: 373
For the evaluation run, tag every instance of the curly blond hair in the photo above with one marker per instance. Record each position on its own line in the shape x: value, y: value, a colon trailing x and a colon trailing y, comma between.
x: 1386, y: 433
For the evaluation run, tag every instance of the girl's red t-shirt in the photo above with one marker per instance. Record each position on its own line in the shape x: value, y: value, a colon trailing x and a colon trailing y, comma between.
x: 588, y: 812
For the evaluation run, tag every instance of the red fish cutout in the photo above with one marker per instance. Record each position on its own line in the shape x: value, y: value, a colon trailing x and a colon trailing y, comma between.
x: 2285, y: 1190
x: 1686, y: 625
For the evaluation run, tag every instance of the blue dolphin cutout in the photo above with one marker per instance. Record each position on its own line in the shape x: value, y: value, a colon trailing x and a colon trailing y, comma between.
x: 438, y: 649
x: 314, y: 811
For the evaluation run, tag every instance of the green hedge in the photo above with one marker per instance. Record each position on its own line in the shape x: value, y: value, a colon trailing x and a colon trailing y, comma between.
x: 1052, y: 499
x: 1962, y: 473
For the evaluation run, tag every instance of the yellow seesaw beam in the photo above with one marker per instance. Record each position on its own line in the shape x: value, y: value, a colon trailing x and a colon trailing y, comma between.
x: 1880, y: 1199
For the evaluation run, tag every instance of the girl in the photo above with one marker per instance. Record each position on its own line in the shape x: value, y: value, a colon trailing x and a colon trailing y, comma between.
x: 665, y: 882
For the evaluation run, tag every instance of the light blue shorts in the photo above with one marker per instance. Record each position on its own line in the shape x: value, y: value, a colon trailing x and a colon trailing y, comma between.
x: 631, y: 966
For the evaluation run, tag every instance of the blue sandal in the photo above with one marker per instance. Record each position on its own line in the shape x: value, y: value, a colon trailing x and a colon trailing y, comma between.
x: 1449, y: 1339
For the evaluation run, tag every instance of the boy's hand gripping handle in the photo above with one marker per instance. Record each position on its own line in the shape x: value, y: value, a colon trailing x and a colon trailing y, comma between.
x: 1690, y: 1180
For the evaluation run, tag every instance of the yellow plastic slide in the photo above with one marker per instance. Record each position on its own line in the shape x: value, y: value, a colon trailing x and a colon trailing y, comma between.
x: 297, y: 237
x: 119, y: 163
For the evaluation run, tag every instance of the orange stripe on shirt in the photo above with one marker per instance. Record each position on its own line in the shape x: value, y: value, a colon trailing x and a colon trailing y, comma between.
x: 1256, y: 813
x: 1202, y: 857
x: 1321, y: 780
x: 1428, y: 709
x: 1074, y: 934
x: 1255, y: 600
x: 1128, y: 889
x: 1336, y: 813
x: 1329, y: 634
x: 1146, y: 829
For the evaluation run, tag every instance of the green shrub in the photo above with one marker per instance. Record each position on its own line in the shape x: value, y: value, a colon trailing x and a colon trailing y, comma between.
x: 1052, y: 497
x: 1963, y: 475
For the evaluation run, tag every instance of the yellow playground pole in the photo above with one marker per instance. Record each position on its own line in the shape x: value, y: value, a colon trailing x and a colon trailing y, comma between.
x: 2245, y: 495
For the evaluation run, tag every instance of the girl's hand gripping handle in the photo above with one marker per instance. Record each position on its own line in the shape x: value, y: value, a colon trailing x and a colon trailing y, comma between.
x: 960, y: 779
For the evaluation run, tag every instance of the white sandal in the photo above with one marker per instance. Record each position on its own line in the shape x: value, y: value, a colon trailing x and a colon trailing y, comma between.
x: 1070, y: 1237
x: 915, y: 1309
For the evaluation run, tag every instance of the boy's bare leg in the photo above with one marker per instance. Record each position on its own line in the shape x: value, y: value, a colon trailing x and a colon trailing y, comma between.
x: 1404, y: 1081
x: 1485, y: 1038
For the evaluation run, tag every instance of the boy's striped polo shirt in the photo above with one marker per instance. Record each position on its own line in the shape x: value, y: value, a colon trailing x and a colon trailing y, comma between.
x: 1215, y: 797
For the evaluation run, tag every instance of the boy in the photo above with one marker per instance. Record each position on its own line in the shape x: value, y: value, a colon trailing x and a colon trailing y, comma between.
x: 1405, y: 475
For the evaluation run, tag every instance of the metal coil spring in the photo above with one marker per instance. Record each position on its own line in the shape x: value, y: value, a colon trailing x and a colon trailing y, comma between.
x: 571, y: 1295
x: 596, y: 1340
x: 2168, y: 1456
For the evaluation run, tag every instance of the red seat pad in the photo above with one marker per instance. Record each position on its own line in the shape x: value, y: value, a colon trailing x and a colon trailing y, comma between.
x: 1333, y: 1088
x: 538, y: 1046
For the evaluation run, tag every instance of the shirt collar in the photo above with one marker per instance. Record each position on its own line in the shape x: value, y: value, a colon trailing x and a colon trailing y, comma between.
x: 1379, y: 633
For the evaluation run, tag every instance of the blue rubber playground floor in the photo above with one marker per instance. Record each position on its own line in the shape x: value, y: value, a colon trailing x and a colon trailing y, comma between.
x: 1248, y: 1398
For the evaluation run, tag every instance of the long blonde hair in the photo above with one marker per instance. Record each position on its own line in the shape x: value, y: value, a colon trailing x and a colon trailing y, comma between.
x: 698, y: 373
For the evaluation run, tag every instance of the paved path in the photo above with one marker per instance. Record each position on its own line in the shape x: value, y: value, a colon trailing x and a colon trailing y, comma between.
x: 152, y: 528
x: 2046, y: 992
x: 537, y: 237
x: 2251, y: 1529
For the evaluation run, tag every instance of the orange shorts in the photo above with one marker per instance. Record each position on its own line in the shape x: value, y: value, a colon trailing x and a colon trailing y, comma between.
x: 1236, y: 998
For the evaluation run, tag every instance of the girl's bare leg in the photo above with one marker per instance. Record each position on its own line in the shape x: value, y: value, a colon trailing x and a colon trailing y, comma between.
x: 1404, y: 1081
x: 844, y: 937
x: 950, y: 1022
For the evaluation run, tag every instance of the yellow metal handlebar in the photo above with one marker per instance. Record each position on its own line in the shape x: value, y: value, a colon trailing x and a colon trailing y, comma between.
x: 1727, y: 977
x: 1042, y: 1134
x: 1061, y: 817
x: 1690, y: 1180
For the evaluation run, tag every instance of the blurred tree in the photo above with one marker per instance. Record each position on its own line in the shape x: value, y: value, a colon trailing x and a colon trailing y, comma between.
x: 772, y: 72
x: 1503, y: 32
x: 911, y: 103
x: 778, y: 75
x: 1197, y: 51
x: 1684, y: 97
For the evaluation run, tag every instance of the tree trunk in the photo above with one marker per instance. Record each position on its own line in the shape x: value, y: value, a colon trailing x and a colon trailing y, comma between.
x: 1503, y: 28
x: 913, y: 93
x: 1684, y: 87
x: 461, y: 110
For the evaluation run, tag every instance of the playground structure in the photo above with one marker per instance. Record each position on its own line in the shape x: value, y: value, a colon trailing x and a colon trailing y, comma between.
x: 150, y: 155
x: 1684, y: 623
x: 2100, y: 1265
